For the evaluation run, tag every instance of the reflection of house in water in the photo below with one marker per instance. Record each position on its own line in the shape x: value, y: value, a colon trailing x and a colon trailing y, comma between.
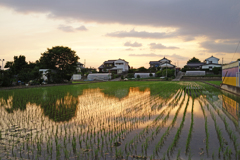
x: 211, y: 95
x: 231, y: 106
x: 193, y: 91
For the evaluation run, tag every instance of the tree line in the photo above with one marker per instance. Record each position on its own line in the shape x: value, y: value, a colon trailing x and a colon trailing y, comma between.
x: 62, y: 60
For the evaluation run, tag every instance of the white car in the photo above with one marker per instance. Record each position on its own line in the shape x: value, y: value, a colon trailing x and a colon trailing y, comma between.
x: 125, y: 79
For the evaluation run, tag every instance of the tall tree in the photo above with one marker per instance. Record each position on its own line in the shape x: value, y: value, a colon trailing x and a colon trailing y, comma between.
x: 61, y: 59
x: 17, y: 65
x: 194, y: 60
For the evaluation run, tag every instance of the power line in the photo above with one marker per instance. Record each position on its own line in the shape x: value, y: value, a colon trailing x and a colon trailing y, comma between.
x: 235, y: 50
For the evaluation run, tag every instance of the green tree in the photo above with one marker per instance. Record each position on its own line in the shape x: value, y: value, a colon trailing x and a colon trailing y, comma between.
x: 142, y: 69
x: 238, y: 59
x: 17, y: 65
x: 194, y: 60
x: 61, y: 59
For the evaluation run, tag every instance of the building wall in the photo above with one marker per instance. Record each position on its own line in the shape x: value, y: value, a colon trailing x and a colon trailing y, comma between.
x: 124, y: 65
x: 230, y: 71
x: 214, y: 60
x: 207, y: 66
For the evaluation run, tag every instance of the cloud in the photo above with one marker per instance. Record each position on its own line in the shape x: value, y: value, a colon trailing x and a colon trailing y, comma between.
x: 146, y: 55
x: 215, y: 19
x: 82, y: 28
x: 173, y: 56
x: 220, y: 54
x: 135, y: 44
x: 220, y: 47
x: 66, y: 28
x: 141, y: 34
x: 129, y: 49
x: 160, y: 46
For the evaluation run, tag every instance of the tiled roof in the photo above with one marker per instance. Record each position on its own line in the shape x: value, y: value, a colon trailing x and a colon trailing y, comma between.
x: 195, y: 64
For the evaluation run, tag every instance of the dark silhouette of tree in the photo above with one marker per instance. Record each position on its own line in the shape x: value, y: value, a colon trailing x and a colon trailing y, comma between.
x: 194, y: 60
x: 17, y: 65
x: 61, y: 59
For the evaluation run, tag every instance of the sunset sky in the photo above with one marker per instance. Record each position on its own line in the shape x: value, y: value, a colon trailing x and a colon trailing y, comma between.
x: 138, y: 31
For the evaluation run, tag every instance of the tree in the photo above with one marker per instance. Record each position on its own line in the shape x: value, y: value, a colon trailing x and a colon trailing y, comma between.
x: 142, y: 69
x: 238, y: 59
x: 61, y: 59
x: 17, y: 65
x: 194, y: 60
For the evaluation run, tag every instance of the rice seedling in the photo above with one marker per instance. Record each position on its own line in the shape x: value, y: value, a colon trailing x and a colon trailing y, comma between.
x: 119, y: 119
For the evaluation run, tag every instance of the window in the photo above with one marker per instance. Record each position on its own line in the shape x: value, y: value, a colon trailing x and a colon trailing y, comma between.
x: 119, y: 63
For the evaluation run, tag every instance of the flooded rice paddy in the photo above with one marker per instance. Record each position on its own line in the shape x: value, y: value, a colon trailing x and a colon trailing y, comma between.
x: 120, y: 120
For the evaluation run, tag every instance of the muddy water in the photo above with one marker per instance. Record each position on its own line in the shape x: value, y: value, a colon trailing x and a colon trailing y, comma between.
x: 129, y: 123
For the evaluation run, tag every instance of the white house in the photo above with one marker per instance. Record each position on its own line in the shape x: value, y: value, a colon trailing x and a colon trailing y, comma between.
x: 210, y: 63
x: 163, y: 63
x: 44, y: 74
x: 114, y: 66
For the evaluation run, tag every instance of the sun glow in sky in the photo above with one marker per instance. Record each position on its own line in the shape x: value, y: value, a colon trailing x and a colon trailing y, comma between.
x: 137, y: 31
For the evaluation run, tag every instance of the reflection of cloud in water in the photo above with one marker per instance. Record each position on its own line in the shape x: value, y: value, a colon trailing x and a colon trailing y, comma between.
x: 94, y: 102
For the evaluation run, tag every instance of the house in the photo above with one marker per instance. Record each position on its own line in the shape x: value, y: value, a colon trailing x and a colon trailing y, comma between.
x: 45, y: 73
x: 194, y: 65
x: 210, y: 63
x: 114, y: 66
x: 79, y: 67
x: 162, y: 63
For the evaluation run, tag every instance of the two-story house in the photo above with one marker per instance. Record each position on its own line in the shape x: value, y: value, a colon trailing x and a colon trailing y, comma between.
x: 114, y: 66
x: 210, y: 63
x: 162, y: 63
x: 79, y: 67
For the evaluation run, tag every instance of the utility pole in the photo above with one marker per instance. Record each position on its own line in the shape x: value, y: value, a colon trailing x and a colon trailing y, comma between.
x: 2, y: 64
x: 222, y: 60
x: 166, y: 70
x: 85, y: 63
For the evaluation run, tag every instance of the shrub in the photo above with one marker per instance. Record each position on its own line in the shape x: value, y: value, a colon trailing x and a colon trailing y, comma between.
x: 150, y: 74
x: 217, y: 70
x: 130, y: 75
x: 158, y: 73
x: 138, y: 76
x: 122, y: 77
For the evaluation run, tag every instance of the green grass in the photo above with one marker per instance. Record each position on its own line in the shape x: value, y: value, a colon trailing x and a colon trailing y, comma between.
x: 81, y: 81
x: 215, y: 82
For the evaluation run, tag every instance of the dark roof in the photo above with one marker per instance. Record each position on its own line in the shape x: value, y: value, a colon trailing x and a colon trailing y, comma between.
x: 165, y: 58
x: 79, y: 63
x: 195, y: 64
x: 211, y: 64
x: 101, y: 67
x: 154, y: 62
x: 109, y: 61
x: 167, y: 63
x: 211, y: 57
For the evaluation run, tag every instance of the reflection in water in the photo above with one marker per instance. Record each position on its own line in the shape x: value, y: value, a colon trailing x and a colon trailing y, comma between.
x: 231, y: 106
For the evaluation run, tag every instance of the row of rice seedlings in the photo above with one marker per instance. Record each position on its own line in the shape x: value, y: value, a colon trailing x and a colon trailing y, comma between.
x: 146, y: 130
x: 57, y: 135
x: 206, y: 128
x: 191, y: 127
x: 174, y: 120
x: 230, y: 132
x: 177, y: 135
